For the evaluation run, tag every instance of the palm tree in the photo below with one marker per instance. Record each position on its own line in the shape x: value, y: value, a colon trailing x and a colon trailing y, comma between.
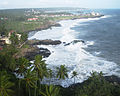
x: 41, y: 70
x: 50, y: 74
x: 74, y: 74
x: 22, y: 63
x: 40, y: 67
x: 5, y: 84
x: 30, y: 79
x: 62, y: 72
x: 50, y: 91
x: 7, y: 61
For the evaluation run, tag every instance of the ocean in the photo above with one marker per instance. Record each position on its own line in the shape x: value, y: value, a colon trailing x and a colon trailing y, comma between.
x: 100, y: 52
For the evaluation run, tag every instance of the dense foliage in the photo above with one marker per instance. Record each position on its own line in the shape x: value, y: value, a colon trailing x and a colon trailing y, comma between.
x: 19, y: 77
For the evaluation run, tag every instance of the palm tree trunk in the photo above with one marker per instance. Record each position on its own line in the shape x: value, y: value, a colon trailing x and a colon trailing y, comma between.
x: 29, y: 91
x: 35, y: 93
x: 19, y: 87
x: 49, y: 81
x: 74, y: 80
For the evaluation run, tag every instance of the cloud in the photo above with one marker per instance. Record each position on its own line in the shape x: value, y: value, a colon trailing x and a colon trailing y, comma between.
x: 4, y: 3
x: 59, y: 3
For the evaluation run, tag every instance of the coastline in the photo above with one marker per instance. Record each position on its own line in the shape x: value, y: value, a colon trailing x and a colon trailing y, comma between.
x: 36, y: 42
x: 61, y: 55
x: 45, y: 27
x: 56, y: 23
x: 46, y: 50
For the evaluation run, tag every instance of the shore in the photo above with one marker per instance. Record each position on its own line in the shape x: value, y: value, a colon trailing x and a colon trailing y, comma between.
x: 56, y: 24
x: 45, y: 27
x: 46, y: 52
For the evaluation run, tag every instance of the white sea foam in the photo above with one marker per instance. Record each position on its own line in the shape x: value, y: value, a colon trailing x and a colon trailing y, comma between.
x: 73, y: 56
x: 90, y: 42
x: 97, y: 53
x: 106, y: 16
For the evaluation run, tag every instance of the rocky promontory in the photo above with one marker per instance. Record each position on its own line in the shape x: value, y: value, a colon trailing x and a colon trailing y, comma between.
x: 44, y: 42
x: 32, y: 50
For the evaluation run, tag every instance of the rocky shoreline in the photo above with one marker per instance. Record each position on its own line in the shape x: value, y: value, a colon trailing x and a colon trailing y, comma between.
x: 44, y: 42
x: 32, y: 50
x: 111, y: 79
x: 46, y: 53
x: 43, y: 51
x: 45, y: 27
x: 70, y: 91
x: 55, y: 24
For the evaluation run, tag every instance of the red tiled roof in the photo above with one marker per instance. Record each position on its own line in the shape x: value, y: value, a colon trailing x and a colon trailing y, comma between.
x: 30, y: 19
x: 12, y: 31
x: 1, y: 48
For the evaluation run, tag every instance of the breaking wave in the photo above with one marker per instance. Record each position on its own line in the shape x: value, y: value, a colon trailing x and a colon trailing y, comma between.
x: 73, y: 55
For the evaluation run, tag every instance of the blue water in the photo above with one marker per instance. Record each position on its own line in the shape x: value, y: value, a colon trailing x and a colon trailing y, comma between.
x: 100, y: 52
x: 105, y: 33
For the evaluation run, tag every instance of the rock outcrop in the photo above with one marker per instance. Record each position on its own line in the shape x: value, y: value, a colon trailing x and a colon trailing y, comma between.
x: 74, y: 42
x: 32, y: 51
x: 44, y: 42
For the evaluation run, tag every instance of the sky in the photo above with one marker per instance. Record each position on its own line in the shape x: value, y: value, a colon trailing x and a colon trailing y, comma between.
x: 106, y: 4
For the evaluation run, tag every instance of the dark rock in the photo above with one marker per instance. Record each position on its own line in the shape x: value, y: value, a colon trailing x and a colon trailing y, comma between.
x: 112, y: 79
x: 67, y: 44
x: 44, y: 42
x: 74, y: 42
x: 44, y: 52
x: 64, y: 42
x: 38, y: 51
x: 31, y: 52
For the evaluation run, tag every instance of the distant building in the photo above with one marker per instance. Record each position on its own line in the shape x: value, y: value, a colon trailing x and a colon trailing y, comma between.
x: 6, y: 39
x: 10, y: 33
x: 95, y: 14
x: 19, y: 36
x: 3, y: 18
x: 32, y: 19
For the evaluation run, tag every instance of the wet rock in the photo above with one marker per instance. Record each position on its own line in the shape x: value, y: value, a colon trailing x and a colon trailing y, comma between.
x: 67, y: 44
x: 38, y: 51
x: 44, y: 42
x: 32, y: 51
x: 74, y: 42
x: 113, y: 79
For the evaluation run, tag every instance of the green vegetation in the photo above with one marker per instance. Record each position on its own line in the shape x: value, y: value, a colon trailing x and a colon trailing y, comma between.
x: 25, y: 20
x: 62, y: 72
x: 19, y: 77
x: 97, y: 86
x: 18, y: 20
x: 74, y: 75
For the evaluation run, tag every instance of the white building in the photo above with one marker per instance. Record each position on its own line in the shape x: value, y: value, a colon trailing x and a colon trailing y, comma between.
x: 6, y: 39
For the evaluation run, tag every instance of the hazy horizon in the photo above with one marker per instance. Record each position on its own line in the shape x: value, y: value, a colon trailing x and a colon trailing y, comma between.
x: 94, y: 4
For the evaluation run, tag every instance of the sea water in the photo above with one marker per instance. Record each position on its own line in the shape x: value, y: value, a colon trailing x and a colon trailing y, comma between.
x: 100, y: 52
